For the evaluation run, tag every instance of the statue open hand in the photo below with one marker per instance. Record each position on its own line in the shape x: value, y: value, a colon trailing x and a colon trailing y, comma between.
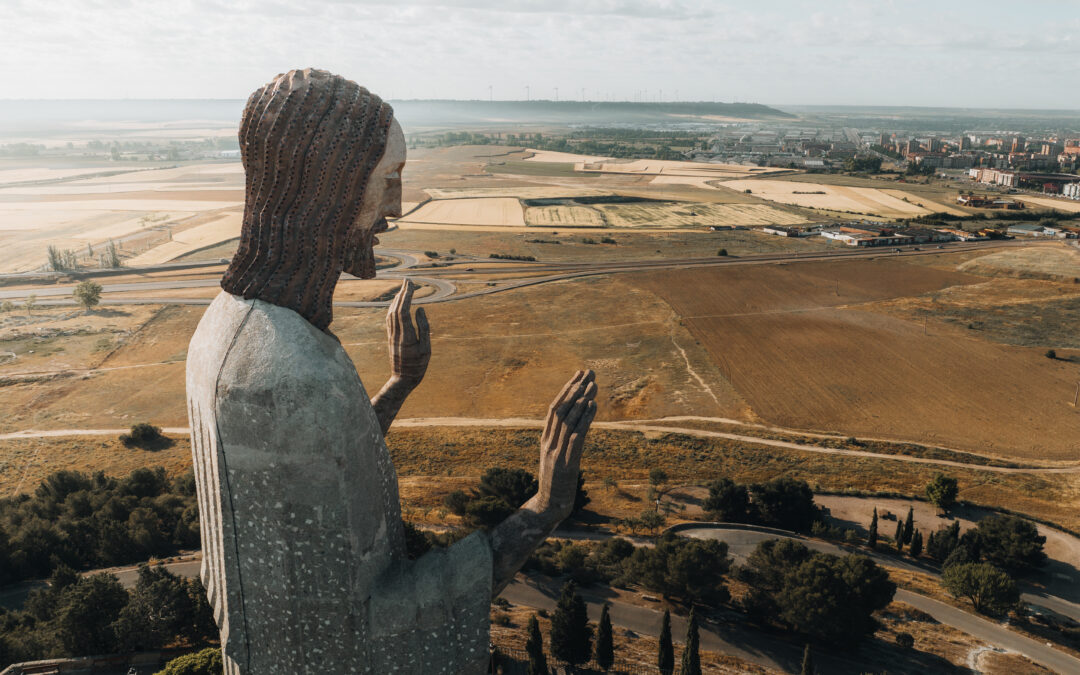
x: 567, y: 423
x: 410, y: 347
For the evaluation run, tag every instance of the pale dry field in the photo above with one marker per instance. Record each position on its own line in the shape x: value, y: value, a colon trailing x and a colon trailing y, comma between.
x: 660, y: 167
x: 1068, y: 205
x: 550, y: 156
x: 928, y: 204
x: 695, y: 215
x: 1061, y: 262
x: 870, y: 201
x: 225, y: 226
x: 565, y: 216
x: 75, y: 213
x: 25, y: 175
x: 492, y: 211
x: 522, y: 192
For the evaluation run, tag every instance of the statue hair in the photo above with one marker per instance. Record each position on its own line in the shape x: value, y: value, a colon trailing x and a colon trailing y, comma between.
x: 309, y: 141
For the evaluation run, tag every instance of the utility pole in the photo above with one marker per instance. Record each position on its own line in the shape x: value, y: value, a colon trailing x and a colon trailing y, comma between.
x: 1077, y: 394
x: 526, y: 92
x: 556, y: 94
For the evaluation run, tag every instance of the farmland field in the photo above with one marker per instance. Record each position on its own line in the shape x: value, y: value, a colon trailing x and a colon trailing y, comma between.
x: 789, y: 345
x: 858, y: 200
x: 567, y: 216
x: 223, y: 227
x: 492, y: 211
x: 1048, y: 203
x: 669, y: 214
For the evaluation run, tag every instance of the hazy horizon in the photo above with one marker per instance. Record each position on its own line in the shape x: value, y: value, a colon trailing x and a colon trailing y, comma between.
x: 918, y: 54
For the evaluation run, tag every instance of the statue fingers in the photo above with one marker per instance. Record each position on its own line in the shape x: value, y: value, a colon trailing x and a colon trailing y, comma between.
x: 423, y: 328
x: 557, y: 405
x: 569, y: 423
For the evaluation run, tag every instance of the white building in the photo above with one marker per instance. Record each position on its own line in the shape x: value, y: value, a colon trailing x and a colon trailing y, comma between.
x: 1072, y: 191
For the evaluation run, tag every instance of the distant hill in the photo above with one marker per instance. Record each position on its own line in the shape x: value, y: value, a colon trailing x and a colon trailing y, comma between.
x: 52, y: 115
x: 426, y: 112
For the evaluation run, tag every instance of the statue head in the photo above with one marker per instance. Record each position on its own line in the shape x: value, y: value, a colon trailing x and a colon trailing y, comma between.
x: 322, y: 161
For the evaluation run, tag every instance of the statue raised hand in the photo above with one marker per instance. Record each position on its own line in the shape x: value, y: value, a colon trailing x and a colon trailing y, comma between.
x: 410, y: 351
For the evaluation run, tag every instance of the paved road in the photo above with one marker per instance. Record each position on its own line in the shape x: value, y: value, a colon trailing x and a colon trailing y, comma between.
x: 742, y: 542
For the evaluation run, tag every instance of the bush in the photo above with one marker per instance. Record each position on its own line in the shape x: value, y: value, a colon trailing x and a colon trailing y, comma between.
x: 785, y: 503
x: 905, y: 640
x: 142, y: 434
x: 689, y: 569
x: 1051, y: 354
x: 722, y: 252
x: 205, y: 662
x: 431, y: 254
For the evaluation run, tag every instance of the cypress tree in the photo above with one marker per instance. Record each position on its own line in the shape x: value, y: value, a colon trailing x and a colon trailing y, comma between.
x: 871, y: 539
x: 807, y: 661
x: 909, y: 525
x: 605, y: 645
x: 571, y: 634
x: 916, y: 544
x: 691, y: 657
x: 534, y: 646
x: 665, y: 659
x: 899, y: 536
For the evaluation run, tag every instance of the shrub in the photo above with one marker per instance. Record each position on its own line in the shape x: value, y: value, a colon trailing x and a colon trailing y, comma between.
x: 205, y: 662
x: 722, y: 252
x: 905, y: 640
x: 1051, y: 354
x: 1010, y: 543
x: 142, y: 434
x: 942, y: 491
x: 431, y: 254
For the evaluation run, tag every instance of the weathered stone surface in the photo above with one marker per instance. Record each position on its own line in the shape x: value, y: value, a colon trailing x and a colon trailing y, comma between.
x: 302, y: 536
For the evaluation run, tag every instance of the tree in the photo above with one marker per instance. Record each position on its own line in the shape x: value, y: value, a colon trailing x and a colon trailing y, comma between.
x: 605, y: 646
x: 651, y: 520
x: 942, y: 491
x: 915, y: 550
x: 88, y: 294
x: 534, y: 646
x: 160, y: 610
x: 658, y: 479
x: 871, y: 539
x: 205, y: 662
x: 1011, y: 543
x: 6, y: 307
x: 690, y: 569
x: 989, y: 589
x: 727, y: 501
x: 909, y: 525
x: 30, y: 303
x: 571, y: 635
x: 899, y: 536
x: 943, y: 542
x: 786, y: 503
x: 87, y: 613
x: 1051, y: 354
x: 691, y: 656
x: 665, y: 656
x: 807, y: 661
x: 722, y: 252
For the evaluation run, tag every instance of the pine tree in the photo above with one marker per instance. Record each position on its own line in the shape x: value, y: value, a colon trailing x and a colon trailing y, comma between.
x: 605, y: 646
x: 534, y: 646
x: 899, y: 536
x: 807, y: 661
x: 691, y: 657
x: 909, y: 525
x: 871, y: 540
x: 915, y: 550
x: 665, y: 658
x: 571, y: 634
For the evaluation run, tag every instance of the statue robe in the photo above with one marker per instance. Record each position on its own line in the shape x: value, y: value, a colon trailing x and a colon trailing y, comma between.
x: 303, y: 546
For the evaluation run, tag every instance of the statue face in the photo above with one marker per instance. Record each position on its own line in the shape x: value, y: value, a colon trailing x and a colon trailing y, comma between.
x: 382, y: 200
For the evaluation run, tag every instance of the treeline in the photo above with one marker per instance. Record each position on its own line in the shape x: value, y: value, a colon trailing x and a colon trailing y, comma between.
x: 84, y: 521
x: 691, y: 570
x: 87, y: 615
x: 785, y: 503
x: 499, y: 493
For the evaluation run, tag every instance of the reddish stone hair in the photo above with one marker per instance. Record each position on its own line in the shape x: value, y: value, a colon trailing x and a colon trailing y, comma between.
x: 309, y: 141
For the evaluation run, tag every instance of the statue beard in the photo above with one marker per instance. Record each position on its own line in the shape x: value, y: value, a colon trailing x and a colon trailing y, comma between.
x: 360, y: 255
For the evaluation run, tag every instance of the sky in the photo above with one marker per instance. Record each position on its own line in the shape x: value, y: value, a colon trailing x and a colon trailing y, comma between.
x: 955, y: 53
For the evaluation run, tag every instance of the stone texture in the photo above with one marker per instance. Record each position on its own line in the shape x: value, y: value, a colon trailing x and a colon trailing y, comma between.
x: 302, y: 536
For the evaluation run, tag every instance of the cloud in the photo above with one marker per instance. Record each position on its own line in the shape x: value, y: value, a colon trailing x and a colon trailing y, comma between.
x: 844, y: 51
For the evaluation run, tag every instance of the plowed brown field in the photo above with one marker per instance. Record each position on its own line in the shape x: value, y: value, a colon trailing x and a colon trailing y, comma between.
x: 782, y: 337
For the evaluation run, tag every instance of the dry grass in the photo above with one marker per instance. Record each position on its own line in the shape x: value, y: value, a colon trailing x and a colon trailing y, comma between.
x: 1042, y: 262
x: 223, y: 227
x: 858, y: 200
x: 565, y: 216
x: 802, y: 361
